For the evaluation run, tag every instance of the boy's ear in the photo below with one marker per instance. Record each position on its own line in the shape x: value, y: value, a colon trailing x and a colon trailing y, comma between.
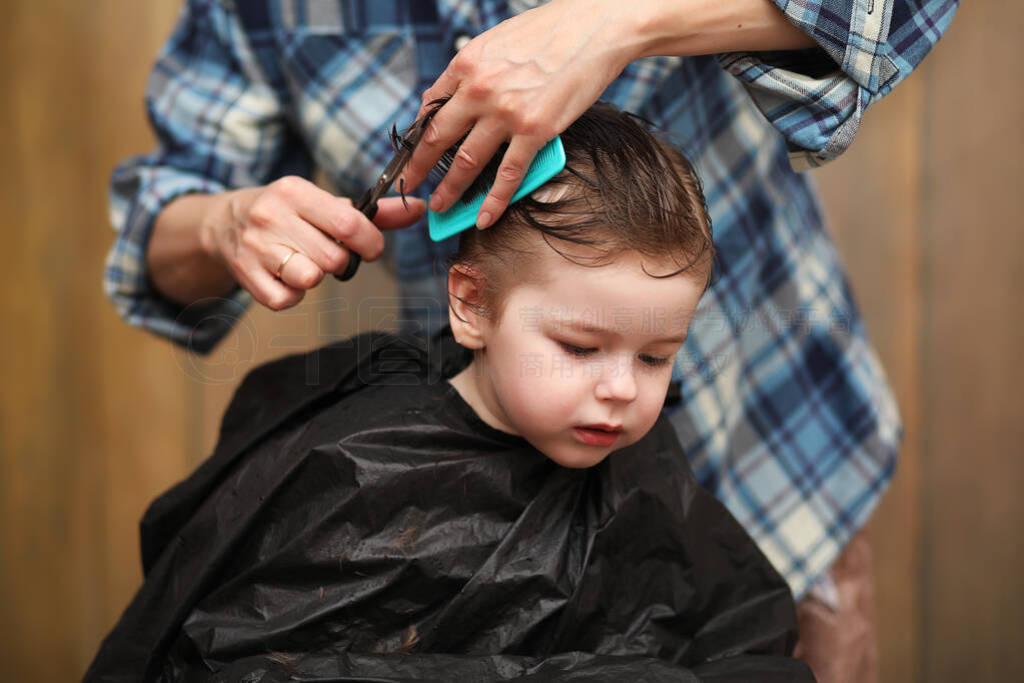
x: 465, y: 289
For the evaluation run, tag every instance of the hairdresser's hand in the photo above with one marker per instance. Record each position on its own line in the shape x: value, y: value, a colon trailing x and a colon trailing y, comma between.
x: 524, y: 81
x: 254, y: 230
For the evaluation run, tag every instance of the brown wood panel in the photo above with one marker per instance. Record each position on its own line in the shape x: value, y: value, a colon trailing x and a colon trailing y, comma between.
x: 872, y: 198
x: 47, y: 527
x: 973, y: 564
x: 144, y: 409
x: 81, y: 451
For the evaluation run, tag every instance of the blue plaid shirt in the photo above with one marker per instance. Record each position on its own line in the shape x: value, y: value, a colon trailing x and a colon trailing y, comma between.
x: 785, y: 410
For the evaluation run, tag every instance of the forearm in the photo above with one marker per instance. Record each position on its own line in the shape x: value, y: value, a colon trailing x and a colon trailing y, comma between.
x: 181, y: 257
x: 697, y: 27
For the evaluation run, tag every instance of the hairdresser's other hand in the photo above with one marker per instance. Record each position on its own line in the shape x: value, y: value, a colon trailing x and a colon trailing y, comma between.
x: 524, y: 81
x: 255, y: 229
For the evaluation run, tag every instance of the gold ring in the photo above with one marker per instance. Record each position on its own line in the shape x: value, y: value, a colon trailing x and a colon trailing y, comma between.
x: 284, y: 262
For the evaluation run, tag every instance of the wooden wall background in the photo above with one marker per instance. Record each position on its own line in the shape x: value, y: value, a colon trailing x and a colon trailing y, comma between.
x: 98, y: 418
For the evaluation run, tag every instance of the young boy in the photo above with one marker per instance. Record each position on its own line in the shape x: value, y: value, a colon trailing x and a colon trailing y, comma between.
x: 577, y: 304
x: 448, y: 510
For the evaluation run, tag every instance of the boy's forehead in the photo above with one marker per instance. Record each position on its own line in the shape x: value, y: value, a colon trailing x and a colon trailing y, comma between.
x: 668, y: 323
x: 616, y: 298
x: 560, y: 264
x: 551, y: 257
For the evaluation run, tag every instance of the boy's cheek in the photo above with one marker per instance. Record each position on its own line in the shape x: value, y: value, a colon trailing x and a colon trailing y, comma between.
x: 651, y: 405
x: 542, y: 369
x: 545, y: 396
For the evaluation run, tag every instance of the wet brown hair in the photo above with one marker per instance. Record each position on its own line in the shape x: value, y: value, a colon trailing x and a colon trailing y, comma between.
x: 625, y: 188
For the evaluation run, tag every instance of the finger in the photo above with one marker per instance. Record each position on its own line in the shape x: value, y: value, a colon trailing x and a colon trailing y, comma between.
x: 511, y: 172
x: 319, y: 247
x: 254, y: 277
x: 300, y: 272
x: 392, y: 213
x: 340, y: 220
x: 445, y: 86
x: 473, y: 154
x: 280, y: 260
x: 334, y: 217
x: 450, y: 123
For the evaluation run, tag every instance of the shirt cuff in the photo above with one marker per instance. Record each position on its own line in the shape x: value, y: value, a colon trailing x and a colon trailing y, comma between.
x: 138, y: 194
x: 816, y: 98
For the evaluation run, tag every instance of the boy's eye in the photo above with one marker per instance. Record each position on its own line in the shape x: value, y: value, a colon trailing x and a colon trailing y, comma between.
x: 576, y: 350
x: 654, y: 361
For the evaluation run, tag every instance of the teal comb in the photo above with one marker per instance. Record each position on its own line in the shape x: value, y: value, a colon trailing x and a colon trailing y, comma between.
x: 550, y: 160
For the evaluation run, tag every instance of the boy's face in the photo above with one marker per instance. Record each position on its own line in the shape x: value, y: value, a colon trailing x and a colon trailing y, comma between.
x: 579, y: 365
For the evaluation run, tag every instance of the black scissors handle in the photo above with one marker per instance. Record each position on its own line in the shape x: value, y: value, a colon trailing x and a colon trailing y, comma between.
x: 368, y: 206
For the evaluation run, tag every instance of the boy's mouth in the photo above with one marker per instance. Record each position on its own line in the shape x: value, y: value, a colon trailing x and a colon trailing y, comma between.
x: 597, y: 434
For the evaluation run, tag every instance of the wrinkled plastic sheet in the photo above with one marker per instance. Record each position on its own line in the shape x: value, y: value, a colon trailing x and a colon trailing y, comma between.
x: 574, y: 666
x: 358, y: 524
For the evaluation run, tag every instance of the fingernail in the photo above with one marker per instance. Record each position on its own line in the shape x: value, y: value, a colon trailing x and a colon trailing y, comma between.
x: 436, y: 203
x: 483, y: 220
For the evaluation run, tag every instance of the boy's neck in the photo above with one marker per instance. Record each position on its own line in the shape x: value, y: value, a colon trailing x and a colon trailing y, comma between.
x: 475, y: 389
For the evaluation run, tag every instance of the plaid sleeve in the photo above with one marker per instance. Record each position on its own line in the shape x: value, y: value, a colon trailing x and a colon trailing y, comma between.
x: 219, y: 125
x: 817, y: 107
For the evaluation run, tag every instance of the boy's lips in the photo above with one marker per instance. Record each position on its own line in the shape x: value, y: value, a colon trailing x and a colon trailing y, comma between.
x: 602, y: 434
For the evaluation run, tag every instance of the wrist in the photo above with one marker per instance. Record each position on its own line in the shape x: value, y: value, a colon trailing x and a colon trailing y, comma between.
x: 182, y: 254
x: 632, y: 29
x: 605, y: 31
x: 209, y: 224
x: 658, y: 28
x: 221, y: 212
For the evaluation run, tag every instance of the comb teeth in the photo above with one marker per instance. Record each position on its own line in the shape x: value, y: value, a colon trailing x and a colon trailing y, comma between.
x: 550, y: 160
x: 440, y: 169
x: 483, y: 181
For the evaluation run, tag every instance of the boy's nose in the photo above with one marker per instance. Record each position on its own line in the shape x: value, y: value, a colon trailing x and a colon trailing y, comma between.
x: 617, y: 382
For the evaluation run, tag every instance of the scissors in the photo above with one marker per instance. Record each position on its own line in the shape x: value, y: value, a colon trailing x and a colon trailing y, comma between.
x: 404, y: 145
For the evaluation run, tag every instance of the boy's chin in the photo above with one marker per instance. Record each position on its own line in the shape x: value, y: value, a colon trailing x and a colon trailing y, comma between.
x: 577, y: 457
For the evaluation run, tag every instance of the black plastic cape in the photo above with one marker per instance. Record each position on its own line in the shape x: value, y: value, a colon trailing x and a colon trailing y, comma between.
x: 358, y: 522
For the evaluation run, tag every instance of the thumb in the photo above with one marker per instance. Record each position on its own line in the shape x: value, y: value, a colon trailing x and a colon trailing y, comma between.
x: 393, y: 213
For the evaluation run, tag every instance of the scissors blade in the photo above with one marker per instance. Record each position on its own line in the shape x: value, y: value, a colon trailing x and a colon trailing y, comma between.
x: 404, y: 145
